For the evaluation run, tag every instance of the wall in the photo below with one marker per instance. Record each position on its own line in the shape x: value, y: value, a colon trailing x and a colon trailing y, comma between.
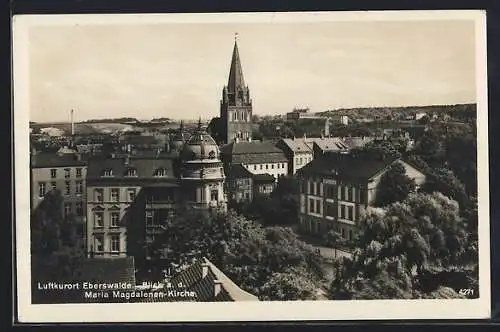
x: 275, y: 169
x: 44, y: 175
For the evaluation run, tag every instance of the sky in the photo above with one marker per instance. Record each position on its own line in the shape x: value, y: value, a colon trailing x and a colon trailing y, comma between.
x: 178, y: 70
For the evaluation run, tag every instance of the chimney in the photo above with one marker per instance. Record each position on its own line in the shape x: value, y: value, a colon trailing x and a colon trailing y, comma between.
x: 72, y: 122
x: 204, y: 270
x: 217, y: 287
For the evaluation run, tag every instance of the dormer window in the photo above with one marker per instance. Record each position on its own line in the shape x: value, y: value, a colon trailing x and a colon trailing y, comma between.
x: 131, y: 172
x: 108, y: 172
x: 160, y: 172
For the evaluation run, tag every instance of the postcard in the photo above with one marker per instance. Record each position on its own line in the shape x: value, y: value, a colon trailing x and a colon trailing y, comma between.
x: 251, y: 166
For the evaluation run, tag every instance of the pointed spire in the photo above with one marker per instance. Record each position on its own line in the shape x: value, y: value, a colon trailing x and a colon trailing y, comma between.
x: 235, y: 73
x: 181, y: 127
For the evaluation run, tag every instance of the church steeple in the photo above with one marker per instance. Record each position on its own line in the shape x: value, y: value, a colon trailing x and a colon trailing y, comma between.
x: 236, y: 80
x: 236, y: 105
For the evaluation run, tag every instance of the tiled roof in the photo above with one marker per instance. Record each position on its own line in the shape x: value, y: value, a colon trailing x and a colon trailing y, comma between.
x: 354, y: 167
x: 296, y: 144
x: 45, y: 159
x: 204, y: 287
x: 252, y: 153
x: 237, y: 171
x: 328, y: 143
x: 145, y: 167
x: 263, y: 178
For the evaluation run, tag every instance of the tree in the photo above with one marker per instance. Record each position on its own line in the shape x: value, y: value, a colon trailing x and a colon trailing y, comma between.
x: 404, y: 244
x: 257, y: 259
x: 333, y: 239
x: 394, y: 186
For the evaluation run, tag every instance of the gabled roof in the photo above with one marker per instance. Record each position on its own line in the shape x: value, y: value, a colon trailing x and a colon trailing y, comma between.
x: 296, y: 145
x: 237, y: 171
x: 348, y: 167
x: 264, y: 178
x: 145, y: 167
x: 253, y: 152
x: 328, y: 143
x: 193, y: 280
x: 46, y: 160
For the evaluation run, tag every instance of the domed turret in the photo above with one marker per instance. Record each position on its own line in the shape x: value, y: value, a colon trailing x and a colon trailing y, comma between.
x: 200, y: 146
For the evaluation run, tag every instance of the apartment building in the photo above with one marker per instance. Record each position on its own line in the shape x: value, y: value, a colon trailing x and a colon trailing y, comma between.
x: 336, y: 189
x: 63, y: 172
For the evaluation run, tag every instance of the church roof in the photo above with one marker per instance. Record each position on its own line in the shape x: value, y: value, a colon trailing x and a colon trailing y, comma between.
x: 236, y: 79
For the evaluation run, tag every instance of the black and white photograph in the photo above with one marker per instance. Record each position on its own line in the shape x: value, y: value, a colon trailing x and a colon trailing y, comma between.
x: 251, y: 166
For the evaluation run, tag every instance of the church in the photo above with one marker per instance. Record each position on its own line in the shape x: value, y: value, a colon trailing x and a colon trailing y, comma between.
x: 235, y: 105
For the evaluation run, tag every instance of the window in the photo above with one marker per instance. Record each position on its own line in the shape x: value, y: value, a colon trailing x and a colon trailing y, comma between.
x: 260, y: 166
x: 247, y: 196
x: 331, y: 209
x: 98, y: 243
x: 67, y: 209
x: 115, y: 195
x: 53, y: 173
x: 131, y: 194
x: 98, y: 195
x: 53, y: 185
x: 267, y: 166
x: 79, y: 208
x: 272, y: 166
x: 282, y: 165
x: 41, y: 189
x: 131, y: 172
x: 78, y: 172
x: 300, y: 161
x: 79, y: 187
x: 342, y: 211
x: 349, y: 194
x: 311, y: 205
x: 108, y: 172
x: 342, y: 232
x: 311, y: 187
x: 303, y: 185
x: 254, y: 167
x: 98, y: 219
x: 115, y: 219
x: 149, y: 218
x: 350, y: 234
x: 331, y: 190
x: 214, y: 195
x: 350, y: 213
x: 67, y: 173
x: 67, y: 188
x: 160, y: 172
x: 115, y: 243
x: 318, y: 207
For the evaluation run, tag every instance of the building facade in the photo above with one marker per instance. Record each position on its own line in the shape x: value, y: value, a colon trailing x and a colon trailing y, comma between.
x: 335, y: 190
x: 297, y: 152
x: 130, y: 198
x: 236, y: 104
x: 63, y: 172
x: 256, y: 157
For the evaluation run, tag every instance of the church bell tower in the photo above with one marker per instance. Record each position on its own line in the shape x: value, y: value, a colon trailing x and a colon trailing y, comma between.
x: 236, y: 105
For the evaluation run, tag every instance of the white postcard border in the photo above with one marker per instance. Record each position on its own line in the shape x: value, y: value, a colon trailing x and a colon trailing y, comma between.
x: 239, y: 311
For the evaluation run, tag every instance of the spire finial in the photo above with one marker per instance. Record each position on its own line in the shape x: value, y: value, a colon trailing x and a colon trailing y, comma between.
x: 181, y: 127
x: 235, y: 37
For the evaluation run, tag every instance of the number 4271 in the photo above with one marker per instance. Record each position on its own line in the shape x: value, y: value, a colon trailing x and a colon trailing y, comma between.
x: 466, y: 291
